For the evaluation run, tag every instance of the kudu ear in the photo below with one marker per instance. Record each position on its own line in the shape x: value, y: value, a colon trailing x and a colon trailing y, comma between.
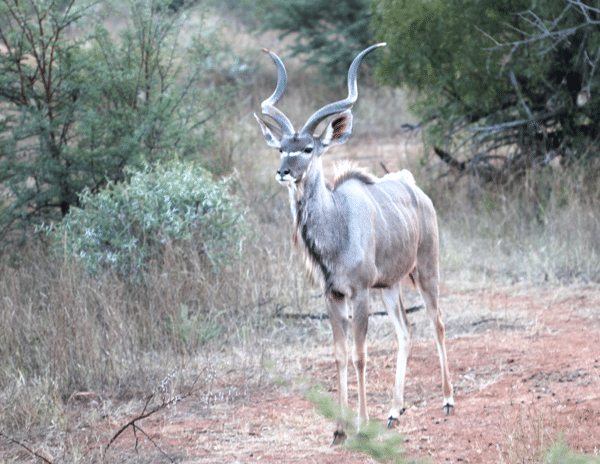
x: 339, y: 130
x: 271, y: 132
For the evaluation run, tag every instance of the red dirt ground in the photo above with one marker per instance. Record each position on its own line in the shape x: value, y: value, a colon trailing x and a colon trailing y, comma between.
x: 525, y: 372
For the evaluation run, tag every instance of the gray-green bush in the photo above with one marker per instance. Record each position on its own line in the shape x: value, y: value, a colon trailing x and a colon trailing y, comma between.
x: 127, y: 225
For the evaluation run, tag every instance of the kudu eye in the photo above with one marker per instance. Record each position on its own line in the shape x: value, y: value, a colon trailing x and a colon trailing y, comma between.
x: 308, y: 150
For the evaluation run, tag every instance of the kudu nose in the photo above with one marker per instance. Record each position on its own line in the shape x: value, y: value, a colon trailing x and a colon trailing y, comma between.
x: 283, y: 172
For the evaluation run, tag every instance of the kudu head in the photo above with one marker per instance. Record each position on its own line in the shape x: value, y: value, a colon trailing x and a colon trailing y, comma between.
x: 299, y: 149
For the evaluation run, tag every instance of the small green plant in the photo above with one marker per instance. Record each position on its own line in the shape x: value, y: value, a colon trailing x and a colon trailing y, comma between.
x: 127, y: 225
x: 328, y: 407
x: 376, y: 441
x: 372, y: 439
x: 561, y: 454
x: 532, y: 436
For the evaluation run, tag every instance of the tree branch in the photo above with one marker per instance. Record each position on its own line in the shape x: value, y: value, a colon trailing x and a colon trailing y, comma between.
x: 449, y: 160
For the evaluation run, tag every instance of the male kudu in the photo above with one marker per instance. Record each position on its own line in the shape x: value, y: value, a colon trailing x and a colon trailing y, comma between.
x: 362, y: 233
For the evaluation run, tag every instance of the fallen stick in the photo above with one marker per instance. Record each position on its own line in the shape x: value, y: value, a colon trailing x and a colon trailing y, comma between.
x: 323, y: 316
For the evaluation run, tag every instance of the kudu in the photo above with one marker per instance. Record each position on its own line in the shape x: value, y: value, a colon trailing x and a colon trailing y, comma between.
x: 362, y: 233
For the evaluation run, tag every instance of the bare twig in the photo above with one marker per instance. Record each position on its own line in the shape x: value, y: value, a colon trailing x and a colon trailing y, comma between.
x: 29, y: 450
x: 165, y: 404
x: 136, y: 427
x: 513, y: 81
x: 548, y: 32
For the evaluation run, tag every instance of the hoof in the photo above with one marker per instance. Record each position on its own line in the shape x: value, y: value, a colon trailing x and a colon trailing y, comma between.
x: 338, y: 437
x: 449, y: 409
x: 393, y: 421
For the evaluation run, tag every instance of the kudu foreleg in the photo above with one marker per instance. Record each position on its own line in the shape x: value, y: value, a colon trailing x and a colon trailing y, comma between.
x: 338, y: 317
x: 360, y: 324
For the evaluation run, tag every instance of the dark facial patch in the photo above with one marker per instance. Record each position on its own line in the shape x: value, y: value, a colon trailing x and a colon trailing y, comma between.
x: 337, y: 296
x: 381, y: 285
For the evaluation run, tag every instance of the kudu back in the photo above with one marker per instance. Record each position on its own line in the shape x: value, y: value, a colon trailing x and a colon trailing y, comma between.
x: 363, y: 233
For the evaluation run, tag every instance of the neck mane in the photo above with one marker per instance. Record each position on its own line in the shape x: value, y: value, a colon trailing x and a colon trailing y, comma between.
x: 319, y: 228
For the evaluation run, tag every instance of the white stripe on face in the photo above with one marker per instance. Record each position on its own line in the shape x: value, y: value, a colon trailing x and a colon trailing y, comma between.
x: 294, y: 153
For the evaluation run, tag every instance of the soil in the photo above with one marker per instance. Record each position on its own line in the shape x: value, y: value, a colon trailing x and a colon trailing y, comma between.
x: 524, y: 362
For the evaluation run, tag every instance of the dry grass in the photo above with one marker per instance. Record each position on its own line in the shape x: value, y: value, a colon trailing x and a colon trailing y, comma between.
x: 64, y: 333
x: 543, y: 230
x: 529, y: 435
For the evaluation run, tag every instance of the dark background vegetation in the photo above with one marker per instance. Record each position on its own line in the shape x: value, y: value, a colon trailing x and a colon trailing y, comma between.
x: 97, y: 99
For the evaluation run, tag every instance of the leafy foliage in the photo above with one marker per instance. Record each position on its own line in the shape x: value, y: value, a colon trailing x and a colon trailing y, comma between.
x: 505, y: 86
x: 39, y: 105
x: 77, y: 108
x: 372, y: 439
x: 128, y: 224
x: 561, y: 454
x: 330, y: 34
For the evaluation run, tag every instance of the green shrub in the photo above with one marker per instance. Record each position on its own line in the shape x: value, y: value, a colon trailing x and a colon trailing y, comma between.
x: 561, y: 454
x: 373, y: 439
x: 81, y: 103
x: 126, y: 225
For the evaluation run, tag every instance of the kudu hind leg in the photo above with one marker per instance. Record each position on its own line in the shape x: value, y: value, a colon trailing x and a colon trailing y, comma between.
x: 338, y: 317
x: 393, y: 303
x: 430, y: 294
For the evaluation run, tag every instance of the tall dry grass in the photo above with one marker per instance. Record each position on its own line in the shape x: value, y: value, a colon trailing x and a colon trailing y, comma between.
x: 543, y: 229
x: 63, y: 331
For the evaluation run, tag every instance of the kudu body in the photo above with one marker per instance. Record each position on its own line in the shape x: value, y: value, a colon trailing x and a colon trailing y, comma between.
x: 361, y: 234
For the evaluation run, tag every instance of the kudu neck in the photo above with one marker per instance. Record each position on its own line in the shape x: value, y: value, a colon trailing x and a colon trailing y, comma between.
x: 312, y: 192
